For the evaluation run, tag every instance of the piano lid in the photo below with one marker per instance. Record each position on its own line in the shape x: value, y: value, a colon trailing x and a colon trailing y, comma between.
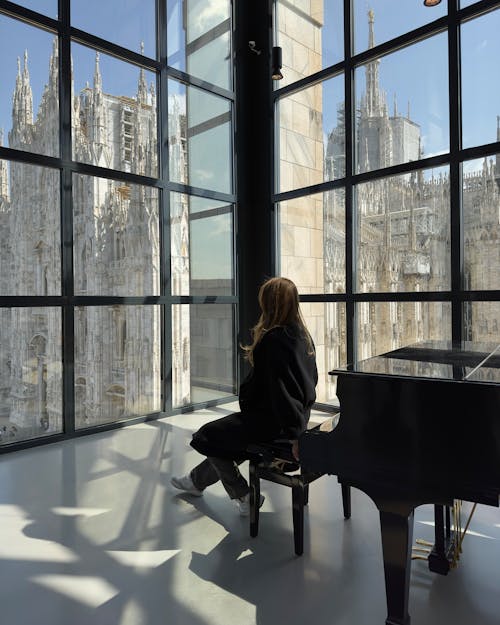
x: 464, y: 361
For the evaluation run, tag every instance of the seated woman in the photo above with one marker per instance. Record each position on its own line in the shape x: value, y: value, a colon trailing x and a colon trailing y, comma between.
x: 275, y: 398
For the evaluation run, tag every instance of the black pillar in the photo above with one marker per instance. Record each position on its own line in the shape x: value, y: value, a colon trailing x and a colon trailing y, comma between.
x: 254, y: 157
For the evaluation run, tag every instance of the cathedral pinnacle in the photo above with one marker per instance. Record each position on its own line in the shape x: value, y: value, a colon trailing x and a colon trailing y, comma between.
x: 97, y: 74
x: 371, y: 21
x: 22, y: 105
x: 142, y: 88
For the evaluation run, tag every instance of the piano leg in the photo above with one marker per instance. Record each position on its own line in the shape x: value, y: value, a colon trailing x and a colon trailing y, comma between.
x: 397, y: 537
x: 438, y: 559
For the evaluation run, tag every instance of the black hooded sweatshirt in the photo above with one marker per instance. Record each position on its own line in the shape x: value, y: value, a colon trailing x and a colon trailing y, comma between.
x: 280, y: 389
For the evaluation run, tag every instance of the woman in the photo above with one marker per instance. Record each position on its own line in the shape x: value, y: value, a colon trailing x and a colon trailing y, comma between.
x: 275, y: 398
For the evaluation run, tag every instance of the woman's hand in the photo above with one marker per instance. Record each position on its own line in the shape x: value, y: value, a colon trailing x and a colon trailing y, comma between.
x: 295, y: 449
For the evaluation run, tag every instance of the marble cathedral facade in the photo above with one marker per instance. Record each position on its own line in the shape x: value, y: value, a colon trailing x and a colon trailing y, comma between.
x: 116, y: 252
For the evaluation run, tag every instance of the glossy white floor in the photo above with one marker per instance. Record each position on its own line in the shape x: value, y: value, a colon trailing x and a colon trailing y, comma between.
x: 92, y: 534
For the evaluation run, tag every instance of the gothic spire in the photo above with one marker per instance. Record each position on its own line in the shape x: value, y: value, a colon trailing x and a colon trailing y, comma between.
x: 371, y: 35
x: 142, y: 89
x: 97, y: 74
x: 4, y: 183
x: 375, y: 104
x: 22, y: 110
x: 54, y: 66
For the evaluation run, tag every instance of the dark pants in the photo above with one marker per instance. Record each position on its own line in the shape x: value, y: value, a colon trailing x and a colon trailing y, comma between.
x: 224, y: 442
x: 212, y: 470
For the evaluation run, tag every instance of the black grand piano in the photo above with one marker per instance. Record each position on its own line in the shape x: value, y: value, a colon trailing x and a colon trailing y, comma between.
x: 418, y: 425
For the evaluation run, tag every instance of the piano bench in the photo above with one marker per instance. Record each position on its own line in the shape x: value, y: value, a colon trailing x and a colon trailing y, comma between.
x: 274, y: 461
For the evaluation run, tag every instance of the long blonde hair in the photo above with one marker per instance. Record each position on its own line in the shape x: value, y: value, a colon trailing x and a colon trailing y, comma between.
x: 279, y: 304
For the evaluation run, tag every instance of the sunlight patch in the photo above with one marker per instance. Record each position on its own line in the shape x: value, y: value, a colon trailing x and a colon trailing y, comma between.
x: 92, y: 591
x: 143, y: 558
x: 15, y: 545
x: 73, y: 511
x: 244, y: 554
x: 469, y: 532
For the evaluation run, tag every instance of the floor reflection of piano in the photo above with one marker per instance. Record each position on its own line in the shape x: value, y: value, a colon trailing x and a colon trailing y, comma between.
x: 418, y: 425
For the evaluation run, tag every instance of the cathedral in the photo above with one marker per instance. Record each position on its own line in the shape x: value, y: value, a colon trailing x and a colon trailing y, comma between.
x: 402, y: 231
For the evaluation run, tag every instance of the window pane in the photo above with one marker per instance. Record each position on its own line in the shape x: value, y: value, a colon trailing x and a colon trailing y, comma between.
x: 403, y: 233
x: 199, y: 39
x: 46, y: 7
x: 116, y: 238
x: 327, y: 325
x: 385, y: 20
x: 481, y: 219
x: 201, y: 234
x: 203, y: 353
x: 312, y: 242
x: 311, y: 35
x: 482, y: 325
x: 31, y: 373
x: 30, y: 232
x: 384, y: 326
x: 29, y: 101
x: 117, y: 363
x: 130, y: 24
x: 114, y: 119
x: 480, y: 95
x: 417, y: 126
x: 199, y: 130
x: 307, y: 120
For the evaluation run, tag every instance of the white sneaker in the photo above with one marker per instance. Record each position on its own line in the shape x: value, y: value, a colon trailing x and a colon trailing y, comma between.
x: 185, y: 483
x: 243, y: 504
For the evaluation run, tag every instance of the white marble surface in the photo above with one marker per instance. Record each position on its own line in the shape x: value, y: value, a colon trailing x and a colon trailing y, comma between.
x: 92, y: 534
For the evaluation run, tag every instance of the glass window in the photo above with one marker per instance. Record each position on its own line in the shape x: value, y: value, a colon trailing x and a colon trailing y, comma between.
x: 199, y: 39
x: 403, y: 233
x: 203, y: 352
x: 29, y: 104
x: 480, y: 201
x: 384, y: 326
x: 116, y: 238
x: 327, y: 325
x: 114, y: 115
x: 31, y: 373
x: 312, y: 135
x: 480, y: 95
x: 311, y: 35
x: 482, y: 324
x: 46, y: 7
x: 201, y: 234
x: 30, y: 231
x: 130, y: 24
x: 392, y: 19
x: 117, y: 363
x: 312, y: 242
x: 402, y: 119
x: 199, y: 132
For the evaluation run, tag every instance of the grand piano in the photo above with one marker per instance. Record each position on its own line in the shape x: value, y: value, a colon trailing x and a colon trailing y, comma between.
x: 418, y: 425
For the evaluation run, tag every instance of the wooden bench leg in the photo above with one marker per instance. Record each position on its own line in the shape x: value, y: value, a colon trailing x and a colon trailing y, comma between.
x: 254, y: 483
x: 298, y: 492
x: 346, y: 500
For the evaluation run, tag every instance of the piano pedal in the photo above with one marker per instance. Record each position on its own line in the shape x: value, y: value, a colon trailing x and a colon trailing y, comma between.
x: 416, y: 551
x: 421, y: 541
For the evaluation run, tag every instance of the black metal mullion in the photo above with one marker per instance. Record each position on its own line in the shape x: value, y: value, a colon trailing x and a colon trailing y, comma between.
x: 456, y: 224
x: 349, y: 112
x: 65, y: 147
x: 164, y: 209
